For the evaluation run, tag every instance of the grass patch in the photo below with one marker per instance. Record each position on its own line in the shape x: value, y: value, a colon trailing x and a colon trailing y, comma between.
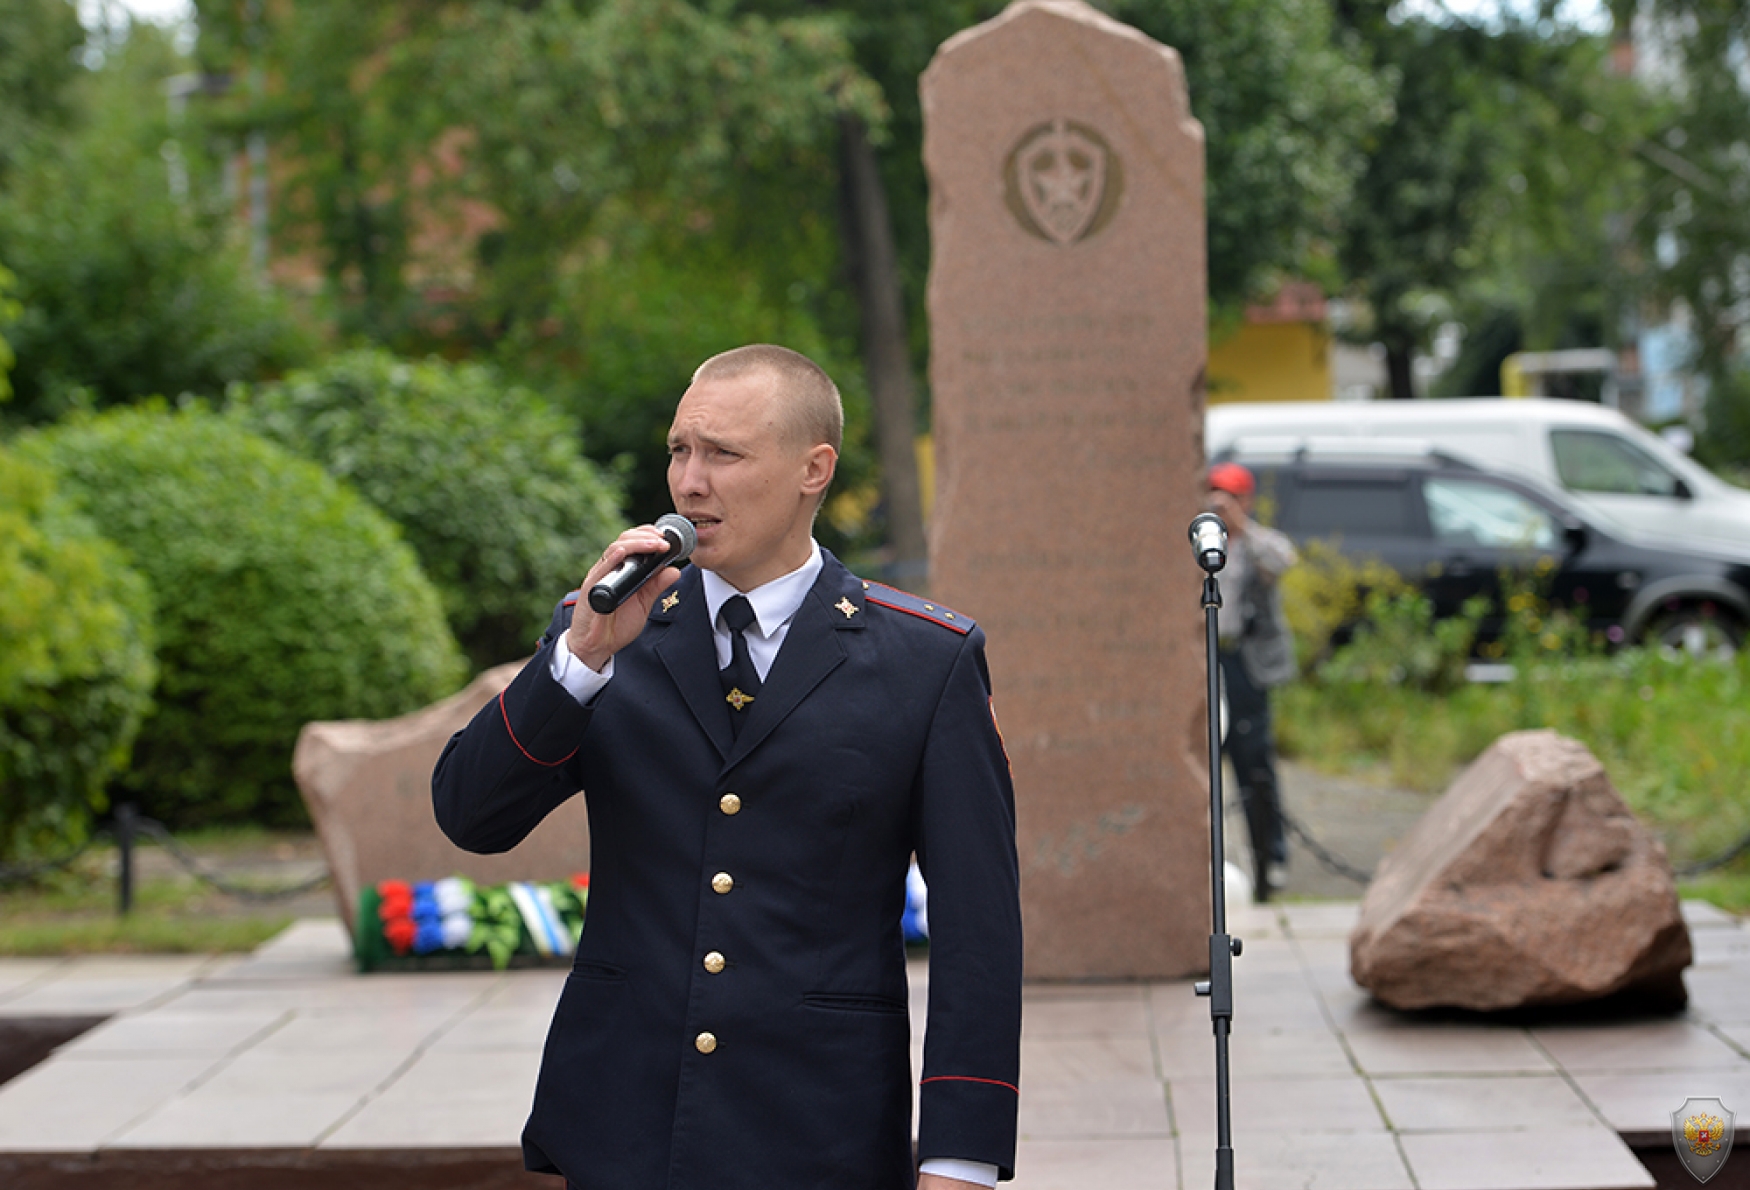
x: 1671, y: 730
x: 139, y: 933
x: 74, y: 911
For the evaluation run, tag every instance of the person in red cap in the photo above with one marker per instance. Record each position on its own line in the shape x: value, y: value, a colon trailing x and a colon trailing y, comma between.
x: 1257, y: 653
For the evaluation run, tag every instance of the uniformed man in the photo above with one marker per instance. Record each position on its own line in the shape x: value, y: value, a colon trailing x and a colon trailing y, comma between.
x: 764, y: 741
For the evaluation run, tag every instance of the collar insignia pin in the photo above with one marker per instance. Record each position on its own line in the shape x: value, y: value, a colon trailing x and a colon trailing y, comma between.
x: 669, y: 601
x: 737, y: 699
x: 845, y: 605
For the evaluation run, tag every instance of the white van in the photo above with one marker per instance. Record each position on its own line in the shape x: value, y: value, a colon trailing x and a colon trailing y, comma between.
x: 1599, y: 457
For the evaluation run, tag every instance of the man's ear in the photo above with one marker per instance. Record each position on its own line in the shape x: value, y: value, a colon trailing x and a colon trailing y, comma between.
x: 818, y: 469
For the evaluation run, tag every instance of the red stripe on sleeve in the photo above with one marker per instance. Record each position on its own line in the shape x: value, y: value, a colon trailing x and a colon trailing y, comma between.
x: 965, y: 1078
x: 546, y: 764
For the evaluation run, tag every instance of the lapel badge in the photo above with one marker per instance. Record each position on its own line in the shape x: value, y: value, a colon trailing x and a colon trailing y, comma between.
x: 669, y: 600
x: 737, y: 699
x: 1701, y: 1130
x: 845, y: 605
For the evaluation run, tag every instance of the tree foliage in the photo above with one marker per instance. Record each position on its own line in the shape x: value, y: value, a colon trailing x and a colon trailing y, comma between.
x: 37, y: 42
x: 129, y: 289
x: 1694, y: 218
x: 76, y: 664
x: 282, y: 598
x: 1492, y: 194
x: 485, y: 478
x: 1286, y: 108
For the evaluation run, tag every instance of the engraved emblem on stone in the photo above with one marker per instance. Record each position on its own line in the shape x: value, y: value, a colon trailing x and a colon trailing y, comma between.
x: 1701, y: 1131
x: 737, y: 699
x: 668, y: 602
x: 1062, y: 181
x: 846, y: 606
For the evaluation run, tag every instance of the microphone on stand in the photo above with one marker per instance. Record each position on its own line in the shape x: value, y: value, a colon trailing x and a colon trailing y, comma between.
x: 1209, y: 541
x: 606, y: 596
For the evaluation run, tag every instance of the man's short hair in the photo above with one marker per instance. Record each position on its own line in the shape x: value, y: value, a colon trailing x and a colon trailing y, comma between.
x: 812, y: 407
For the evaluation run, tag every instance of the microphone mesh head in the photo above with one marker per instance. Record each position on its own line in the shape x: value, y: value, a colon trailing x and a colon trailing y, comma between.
x: 680, y: 527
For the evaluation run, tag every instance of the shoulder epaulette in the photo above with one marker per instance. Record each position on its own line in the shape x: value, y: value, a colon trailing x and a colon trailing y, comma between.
x: 923, y: 609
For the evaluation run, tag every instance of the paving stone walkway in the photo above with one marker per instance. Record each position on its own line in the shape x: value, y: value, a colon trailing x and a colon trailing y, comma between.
x: 286, y: 1061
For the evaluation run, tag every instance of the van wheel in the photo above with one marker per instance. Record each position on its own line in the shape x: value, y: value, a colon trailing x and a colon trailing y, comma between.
x: 1698, y: 631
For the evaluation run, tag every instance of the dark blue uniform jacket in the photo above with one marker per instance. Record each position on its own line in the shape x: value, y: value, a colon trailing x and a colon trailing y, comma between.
x: 778, y: 857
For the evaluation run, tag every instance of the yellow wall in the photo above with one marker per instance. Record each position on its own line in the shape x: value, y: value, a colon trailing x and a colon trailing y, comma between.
x: 1278, y: 361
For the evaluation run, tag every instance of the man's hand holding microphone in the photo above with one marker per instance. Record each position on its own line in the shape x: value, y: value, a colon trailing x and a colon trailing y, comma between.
x: 623, y: 584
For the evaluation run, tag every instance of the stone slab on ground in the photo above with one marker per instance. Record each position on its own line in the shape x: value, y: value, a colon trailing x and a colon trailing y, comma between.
x: 331, y: 1078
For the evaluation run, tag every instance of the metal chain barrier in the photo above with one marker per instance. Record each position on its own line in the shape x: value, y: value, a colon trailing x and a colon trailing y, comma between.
x: 1320, y: 852
x: 191, y: 864
x: 128, y: 826
x: 25, y: 873
x: 1341, y: 867
x: 1718, y: 861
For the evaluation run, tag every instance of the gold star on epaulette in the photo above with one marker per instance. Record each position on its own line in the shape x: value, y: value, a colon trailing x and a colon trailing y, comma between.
x: 670, y: 600
x: 845, y: 605
x: 737, y: 699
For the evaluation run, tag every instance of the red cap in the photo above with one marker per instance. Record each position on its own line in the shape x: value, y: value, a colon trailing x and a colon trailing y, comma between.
x: 1231, y: 478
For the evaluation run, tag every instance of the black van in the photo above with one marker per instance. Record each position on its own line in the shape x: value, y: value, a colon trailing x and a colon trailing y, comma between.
x: 1450, y: 529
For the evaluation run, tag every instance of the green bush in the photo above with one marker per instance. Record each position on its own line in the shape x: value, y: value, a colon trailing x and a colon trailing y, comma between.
x: 282, y: 598
x: 486, y: 479
x: 76, y: 667
x: 1400, y: 643
x: 1323, y: 595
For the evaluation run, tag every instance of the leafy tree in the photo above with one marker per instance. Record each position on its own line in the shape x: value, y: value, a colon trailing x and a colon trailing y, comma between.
x: 282, y: 598
x: 130, y: 290
x: 1286, y: 107
x: 76, y: 667
x: 485, y: 478
x: 550, y: 155
x: 1694, y: 229
x: 9, y: 309
x: 1491, y: 195
x: 37, y: 42
x: 719, y: 153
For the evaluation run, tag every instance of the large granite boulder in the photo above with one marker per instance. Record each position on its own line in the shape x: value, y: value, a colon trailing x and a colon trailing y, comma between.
x: 367, y: 785
x: 1529, y: 882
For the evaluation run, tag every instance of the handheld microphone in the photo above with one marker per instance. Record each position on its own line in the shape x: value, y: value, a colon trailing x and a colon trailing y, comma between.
x: 1209, y: 541
x: 606, y: 596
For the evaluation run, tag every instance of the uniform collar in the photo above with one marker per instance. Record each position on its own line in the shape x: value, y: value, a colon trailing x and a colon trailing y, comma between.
x: 774, y: 603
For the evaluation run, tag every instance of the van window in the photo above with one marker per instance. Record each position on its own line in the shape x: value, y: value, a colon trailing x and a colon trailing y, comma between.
x: 1472, y: 512
x: 1593, y: 461
x: 1364, y: 507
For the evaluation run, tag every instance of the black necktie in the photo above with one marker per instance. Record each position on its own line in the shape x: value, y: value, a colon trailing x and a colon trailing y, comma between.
x: 741, y: 681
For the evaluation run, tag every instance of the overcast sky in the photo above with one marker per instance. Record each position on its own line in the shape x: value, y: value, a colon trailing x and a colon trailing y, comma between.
x: 157, y: 11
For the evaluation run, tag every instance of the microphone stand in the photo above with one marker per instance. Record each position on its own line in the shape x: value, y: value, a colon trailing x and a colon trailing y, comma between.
x: 1219, y: 987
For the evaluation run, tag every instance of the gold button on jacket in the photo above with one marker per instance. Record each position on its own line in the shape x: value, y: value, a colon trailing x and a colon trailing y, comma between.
x: 705, y: 1042
x: 714, y: 962
x: 722, y: 882
x: 729, y: 804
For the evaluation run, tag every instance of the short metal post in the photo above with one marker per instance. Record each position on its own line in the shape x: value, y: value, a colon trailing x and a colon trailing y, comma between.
x: 126, y: 814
